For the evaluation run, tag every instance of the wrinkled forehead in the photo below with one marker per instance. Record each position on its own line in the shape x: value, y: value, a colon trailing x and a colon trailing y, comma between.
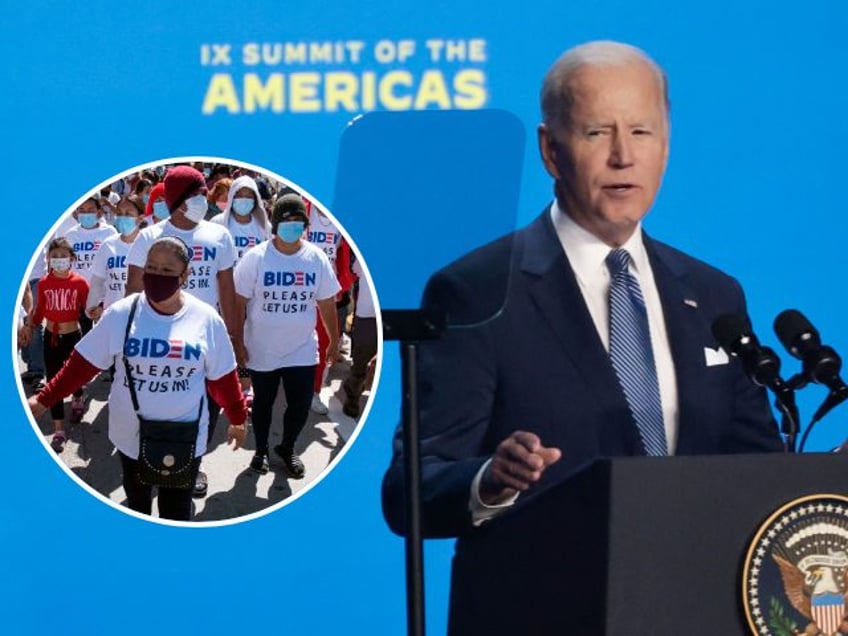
x: 634, y: 88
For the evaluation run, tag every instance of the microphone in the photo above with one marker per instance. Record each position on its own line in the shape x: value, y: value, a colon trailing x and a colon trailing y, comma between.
x: 761, y: 364
x: 736, y: 337
x: 819, y: 363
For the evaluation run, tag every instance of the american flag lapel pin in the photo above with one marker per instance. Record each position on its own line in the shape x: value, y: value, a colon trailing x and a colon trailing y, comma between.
x: 690, y: 303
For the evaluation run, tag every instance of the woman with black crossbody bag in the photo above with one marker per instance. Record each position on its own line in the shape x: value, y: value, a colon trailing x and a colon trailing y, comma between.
x: 174, y: 347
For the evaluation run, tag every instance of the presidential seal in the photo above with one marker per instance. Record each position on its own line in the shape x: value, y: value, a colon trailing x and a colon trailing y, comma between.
x: 796, y: 570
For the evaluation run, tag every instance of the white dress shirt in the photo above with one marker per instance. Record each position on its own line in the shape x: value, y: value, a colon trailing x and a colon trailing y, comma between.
x: 587, y: 255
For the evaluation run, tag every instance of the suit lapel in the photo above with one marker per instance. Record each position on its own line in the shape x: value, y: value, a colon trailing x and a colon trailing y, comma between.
x: 685, y: 333
x: 554, y: 290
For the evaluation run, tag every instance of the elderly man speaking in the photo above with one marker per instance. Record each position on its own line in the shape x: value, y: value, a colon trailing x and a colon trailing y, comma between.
x: 602, y: 344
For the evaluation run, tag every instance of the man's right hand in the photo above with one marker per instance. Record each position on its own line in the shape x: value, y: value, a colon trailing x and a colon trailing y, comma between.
x: 518, y: 462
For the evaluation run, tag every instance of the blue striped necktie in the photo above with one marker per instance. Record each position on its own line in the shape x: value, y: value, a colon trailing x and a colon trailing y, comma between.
x: 631, y: 353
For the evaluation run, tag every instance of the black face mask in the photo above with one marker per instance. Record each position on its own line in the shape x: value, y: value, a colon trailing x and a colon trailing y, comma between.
x: 159, y: 287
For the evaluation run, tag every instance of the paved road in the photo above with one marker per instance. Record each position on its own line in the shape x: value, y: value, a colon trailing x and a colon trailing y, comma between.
x: 234, y: 490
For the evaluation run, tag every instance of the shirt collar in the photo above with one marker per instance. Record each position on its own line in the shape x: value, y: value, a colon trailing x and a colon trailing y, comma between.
x: 587, y: 253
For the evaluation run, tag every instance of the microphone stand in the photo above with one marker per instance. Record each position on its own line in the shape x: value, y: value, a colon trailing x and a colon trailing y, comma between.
x: 789, y: 422
x: 834, y: 398
x: 409, y: 327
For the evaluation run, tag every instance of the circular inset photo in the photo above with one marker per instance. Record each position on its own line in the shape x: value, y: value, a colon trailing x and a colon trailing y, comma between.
x: 197, y: 341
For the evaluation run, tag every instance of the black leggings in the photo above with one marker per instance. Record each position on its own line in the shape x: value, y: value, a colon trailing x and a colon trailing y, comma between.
x: 174, y: 503
x: 297, y: 384
x: 57, y: 349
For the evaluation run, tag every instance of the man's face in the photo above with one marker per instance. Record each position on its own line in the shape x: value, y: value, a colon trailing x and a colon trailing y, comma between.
x: 608, y: 159
x: 183, y: 218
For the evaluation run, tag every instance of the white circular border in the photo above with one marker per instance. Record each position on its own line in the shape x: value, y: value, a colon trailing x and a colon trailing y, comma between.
x: 327, y: 469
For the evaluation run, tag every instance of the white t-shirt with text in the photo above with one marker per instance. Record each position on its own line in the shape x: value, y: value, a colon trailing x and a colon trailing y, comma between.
x: 212, y: 251
x: 282, y: 292
x: 171, y: 357
x: 110, y: 265
x: 86, y: 244
x: 323, y: 233
x: 245, y: 235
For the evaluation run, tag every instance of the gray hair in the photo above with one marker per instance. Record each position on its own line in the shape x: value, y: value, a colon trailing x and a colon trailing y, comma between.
x: 556, y: 95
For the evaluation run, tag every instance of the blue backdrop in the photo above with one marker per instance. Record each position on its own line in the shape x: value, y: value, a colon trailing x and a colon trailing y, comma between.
x: 753, y: 186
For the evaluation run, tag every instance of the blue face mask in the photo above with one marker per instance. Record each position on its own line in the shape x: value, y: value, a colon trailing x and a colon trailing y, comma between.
x: 126, y: 225
x: 145, y: 198
x: 290, y: 231
x: 160, y: 210
x: 242, y: 206
x: 87, y: 219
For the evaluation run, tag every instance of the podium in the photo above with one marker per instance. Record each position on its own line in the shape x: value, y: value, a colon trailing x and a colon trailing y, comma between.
x: 636, y: 546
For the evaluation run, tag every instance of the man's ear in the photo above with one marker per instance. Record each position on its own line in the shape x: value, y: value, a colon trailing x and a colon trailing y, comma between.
x: 548, y: 150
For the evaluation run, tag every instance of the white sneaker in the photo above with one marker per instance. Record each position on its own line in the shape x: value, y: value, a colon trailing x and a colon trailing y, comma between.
x: 318, y: 406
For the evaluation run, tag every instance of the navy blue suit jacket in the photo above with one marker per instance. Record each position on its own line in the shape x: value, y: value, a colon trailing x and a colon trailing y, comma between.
x: 525, y: 354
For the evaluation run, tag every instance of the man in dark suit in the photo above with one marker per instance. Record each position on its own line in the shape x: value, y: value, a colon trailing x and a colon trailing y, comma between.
x: 581, y: 337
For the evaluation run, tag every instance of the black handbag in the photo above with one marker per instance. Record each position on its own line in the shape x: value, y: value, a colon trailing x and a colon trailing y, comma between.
x: 165, y: 448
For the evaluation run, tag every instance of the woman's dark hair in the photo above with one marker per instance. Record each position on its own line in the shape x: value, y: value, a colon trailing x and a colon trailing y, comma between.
x: 150, y: 175
x: 176, y: 245
x: 140, y: 185
x: 220, y: 170
x: 135, y: 201
x: 62, y: 244
x: 96, y: 199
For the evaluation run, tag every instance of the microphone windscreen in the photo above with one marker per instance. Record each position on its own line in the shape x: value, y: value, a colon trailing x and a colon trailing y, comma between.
x: 728, y: 328
x: 791, y: 324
